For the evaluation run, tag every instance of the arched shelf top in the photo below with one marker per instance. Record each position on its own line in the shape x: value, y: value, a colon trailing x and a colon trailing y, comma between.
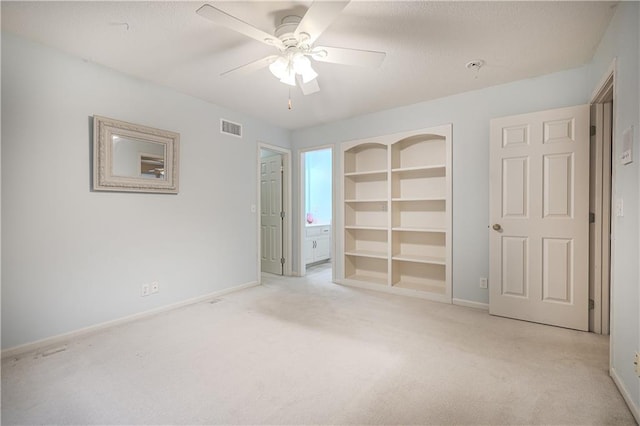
x: 365, y: 158
x: 428, y: 137
x: 366, y: 146
x: 418, y: 151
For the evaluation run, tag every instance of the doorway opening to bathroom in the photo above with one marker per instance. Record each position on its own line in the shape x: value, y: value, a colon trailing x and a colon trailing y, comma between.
x: 316, y: 209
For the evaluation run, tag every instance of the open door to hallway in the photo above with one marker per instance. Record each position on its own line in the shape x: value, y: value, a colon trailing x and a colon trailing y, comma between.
x: 539, y: 210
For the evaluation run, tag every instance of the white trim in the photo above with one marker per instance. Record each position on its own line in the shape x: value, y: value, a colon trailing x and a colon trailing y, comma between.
x: 625, y: 394
x: 65, y: 337
x: 602, y: 85
x: 471, y: 304
x: 607, y: 81
x: 302, y: 267
x: 286, y: 198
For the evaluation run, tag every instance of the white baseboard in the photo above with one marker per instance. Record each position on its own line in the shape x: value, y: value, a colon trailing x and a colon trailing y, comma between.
x: 471, y: 304
x: 65, y: 337
x: 625, y: 394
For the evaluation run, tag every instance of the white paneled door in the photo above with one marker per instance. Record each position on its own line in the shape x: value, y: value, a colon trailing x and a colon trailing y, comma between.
x: 271, y: 214
x: 539, y: 211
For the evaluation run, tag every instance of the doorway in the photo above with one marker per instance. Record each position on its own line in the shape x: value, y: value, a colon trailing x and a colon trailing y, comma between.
x: 274, y: 205
x: 600, y: 195
x: 599, y: 226
x: 316, y: 208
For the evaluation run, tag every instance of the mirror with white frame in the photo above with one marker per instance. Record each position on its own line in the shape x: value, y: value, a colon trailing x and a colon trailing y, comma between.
x: 131, y: 157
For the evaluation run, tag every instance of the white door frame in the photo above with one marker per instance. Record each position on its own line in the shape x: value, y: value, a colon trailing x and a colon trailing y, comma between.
x: 302, y: 267
x: 604, y: 92
x: 286, y: 201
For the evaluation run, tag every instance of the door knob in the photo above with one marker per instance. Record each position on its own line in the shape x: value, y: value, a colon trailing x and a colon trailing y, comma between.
x: 497, y: 227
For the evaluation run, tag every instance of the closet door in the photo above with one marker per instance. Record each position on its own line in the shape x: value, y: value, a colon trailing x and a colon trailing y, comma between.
x: 270, y: 217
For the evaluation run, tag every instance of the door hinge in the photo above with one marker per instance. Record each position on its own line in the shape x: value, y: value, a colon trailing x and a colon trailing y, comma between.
x: 593, y: 130
x: 282, y: 260
x: 592, y: 304
x: 592, y: 217
x: 281, y: 215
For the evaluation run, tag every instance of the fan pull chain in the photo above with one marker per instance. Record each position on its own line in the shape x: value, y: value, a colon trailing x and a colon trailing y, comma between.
x: 289, y: 103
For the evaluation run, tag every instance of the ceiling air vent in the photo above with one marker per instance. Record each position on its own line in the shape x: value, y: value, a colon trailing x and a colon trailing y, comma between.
x: 230, y: 128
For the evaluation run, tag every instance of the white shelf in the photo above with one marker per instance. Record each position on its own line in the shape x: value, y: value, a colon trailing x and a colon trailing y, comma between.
x: 367, y: 253
x: 419, y: 199
x: 372, y: 200
x: 420, y: 259
x: 420, y: 286
x: 438, y: 167
x: 367, y: 278
x: 382, y: 173
x: 404, y: 229
x: 419, y: 276
x: 370, y: 228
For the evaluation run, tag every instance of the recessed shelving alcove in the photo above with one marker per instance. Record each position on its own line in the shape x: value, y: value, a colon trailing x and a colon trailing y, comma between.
x: 397, y: 213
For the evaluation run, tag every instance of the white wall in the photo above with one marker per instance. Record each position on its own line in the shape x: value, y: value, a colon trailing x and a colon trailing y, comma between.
x: 470, y: 114
x: 71, y: 257
x: 622, y: 42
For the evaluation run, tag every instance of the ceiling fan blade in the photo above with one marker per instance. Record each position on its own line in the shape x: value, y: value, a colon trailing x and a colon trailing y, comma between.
x: 223, y: 18
x: 251, y: 66
x: 319, y: 16
x: 309, y: 87
x: 345, y: 56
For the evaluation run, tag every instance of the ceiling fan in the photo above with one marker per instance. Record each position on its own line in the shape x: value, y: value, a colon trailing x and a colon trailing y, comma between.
x: 294, y: 39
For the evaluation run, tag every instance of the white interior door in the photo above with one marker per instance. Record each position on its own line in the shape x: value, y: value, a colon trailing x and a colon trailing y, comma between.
x: 270, y: 214
x: 539, y: 210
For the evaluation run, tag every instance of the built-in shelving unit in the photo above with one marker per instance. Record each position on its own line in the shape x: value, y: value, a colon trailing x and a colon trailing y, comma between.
x: 397, y: 213
x: 366, y: 213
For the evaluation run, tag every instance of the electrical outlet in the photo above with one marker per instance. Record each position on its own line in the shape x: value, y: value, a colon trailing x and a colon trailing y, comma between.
x: 145, y: 290
x: 155, y: 287
x: 484, y: 283
x: 636, y: 362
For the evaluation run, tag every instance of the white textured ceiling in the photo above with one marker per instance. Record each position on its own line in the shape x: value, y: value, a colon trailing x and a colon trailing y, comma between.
x: 427, y: 44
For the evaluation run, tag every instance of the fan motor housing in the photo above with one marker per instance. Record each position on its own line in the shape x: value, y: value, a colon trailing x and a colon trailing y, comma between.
x: 286, y: 31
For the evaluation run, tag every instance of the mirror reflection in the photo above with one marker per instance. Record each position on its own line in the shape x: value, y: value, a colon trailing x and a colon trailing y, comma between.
x: 138, y: 158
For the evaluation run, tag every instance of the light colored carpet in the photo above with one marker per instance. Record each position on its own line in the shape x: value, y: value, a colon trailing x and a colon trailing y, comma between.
x: 305, y: 351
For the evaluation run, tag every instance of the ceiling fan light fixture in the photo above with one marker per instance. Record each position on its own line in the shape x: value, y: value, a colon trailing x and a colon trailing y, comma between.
x: 279, y: 67
x: 289, y: 78
x: 308, y: 75
x: 302, y: 66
